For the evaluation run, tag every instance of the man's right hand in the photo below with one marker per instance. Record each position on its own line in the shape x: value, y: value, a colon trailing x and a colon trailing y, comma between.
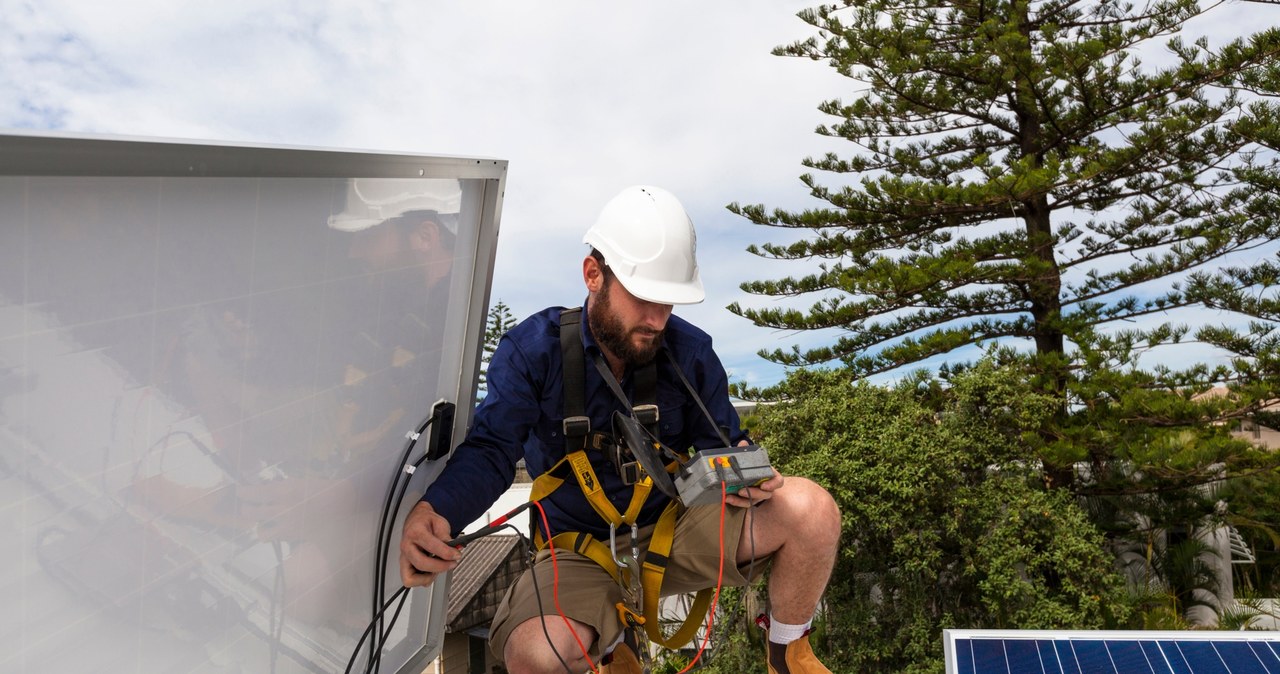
x: 423, y: 550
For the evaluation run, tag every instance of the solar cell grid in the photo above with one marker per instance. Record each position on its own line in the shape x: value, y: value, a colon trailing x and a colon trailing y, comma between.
x: 1101, y: 652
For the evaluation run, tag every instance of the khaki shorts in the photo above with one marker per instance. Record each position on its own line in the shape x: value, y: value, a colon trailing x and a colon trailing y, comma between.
x: 589, y: 595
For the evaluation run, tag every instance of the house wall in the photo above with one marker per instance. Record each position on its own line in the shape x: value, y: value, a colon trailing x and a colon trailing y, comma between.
x: 455, y: 656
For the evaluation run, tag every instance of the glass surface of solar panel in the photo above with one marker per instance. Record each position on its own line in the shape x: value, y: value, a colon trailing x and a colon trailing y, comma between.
x: 1080, y: 652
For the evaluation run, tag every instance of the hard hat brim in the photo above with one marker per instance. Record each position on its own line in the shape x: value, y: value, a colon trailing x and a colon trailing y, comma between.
x: 349, y: 224
x: 661, y: 292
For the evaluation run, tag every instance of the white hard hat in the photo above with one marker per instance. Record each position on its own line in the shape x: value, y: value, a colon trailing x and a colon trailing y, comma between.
x: 372, y: 201
x: 648, y: 241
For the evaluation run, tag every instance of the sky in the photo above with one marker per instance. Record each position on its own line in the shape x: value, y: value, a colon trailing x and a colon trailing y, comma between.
x: 581, y: 97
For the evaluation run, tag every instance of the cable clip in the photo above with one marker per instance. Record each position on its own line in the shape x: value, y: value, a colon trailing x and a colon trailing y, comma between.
x: 410, y: 468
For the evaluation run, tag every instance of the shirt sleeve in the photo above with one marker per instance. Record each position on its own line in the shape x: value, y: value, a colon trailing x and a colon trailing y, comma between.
x: 483, y: 466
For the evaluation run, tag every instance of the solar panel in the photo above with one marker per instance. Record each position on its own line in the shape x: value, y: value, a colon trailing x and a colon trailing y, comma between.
x: 1111, y: 652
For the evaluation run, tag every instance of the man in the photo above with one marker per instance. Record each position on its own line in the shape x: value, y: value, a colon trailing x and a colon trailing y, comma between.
x: 642, y: 262
x: 399, y: 236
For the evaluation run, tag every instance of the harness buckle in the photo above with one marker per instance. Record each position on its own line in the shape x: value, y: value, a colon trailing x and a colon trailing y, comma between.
x: 622, y: 562
x: 601, y: 442
x: 577, y: 427
x: 630, y: 473
x: 624, y: 462
x: 628, y: 616
x: 646, y: 414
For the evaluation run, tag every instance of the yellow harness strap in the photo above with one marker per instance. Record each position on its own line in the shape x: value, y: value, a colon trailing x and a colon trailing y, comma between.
x: 651, y: 573
x: 590, y: 485
x: 655, y: 560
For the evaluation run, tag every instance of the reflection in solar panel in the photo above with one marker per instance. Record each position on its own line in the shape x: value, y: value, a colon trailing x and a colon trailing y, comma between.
x: 1117, y: 652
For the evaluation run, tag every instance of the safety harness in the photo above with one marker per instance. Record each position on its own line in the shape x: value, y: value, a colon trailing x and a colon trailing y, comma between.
x: 641, y: 581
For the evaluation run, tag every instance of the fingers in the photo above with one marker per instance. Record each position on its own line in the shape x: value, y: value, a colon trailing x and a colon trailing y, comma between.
x: 749, y: 496
x: 414, y: 577
x: 424, y: 552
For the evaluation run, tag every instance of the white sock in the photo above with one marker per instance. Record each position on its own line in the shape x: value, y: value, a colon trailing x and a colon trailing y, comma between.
x: 782, y: 633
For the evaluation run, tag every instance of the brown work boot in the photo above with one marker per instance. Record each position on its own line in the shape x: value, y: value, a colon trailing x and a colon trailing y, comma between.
x: 795, y: 658
x: 622, y: 660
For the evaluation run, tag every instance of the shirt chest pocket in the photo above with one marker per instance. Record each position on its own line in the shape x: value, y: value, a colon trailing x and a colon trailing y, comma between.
x: 671, y: 426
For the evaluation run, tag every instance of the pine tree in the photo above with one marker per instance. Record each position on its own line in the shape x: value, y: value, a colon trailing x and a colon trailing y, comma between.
x: 498, y: 323
x: 1021, y: 175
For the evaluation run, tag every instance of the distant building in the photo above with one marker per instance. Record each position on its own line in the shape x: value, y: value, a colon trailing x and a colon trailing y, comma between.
x: 476, y: 587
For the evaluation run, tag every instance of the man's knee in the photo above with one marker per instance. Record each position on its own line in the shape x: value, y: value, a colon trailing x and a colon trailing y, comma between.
x: 802, y: 511
x: 810, y: 509
x: 813, y: 498
x: 531, y: 650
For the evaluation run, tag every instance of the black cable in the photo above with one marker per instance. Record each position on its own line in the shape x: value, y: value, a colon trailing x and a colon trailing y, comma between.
x: 391, y: 504
x: 697, y: 398
x: 542, y: 613
x: 375, y: 662
x: 372, y: 624
x: 403, y: 594
x: 394, y: 617
x: 381, y: 547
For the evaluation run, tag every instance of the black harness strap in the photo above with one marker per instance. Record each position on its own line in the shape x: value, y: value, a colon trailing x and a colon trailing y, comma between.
x: 577, y: 425
x: 573, y: 354
x: 576, y: 422
x: 724, y: 434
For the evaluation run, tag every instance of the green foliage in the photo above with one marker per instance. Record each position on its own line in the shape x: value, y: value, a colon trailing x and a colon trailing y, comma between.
x: 1173, y: 579
x: 1255, y: 513
x: 670, y: 662
x: 1153, y: 458
x: 1249, y: 612
x: 1018, y: 174
x: 497, y: 324
x: 945, y: 522
x: 739, y: 644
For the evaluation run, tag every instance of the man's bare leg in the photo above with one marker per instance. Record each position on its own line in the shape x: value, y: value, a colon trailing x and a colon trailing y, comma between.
x: 528, y: 652
x: 800, y: 526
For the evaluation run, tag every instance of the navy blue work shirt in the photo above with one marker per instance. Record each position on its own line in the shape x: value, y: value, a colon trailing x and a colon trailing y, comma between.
x: 523, y: 412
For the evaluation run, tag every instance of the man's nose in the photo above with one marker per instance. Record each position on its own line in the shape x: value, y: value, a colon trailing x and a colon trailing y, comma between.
x: 655, y: 315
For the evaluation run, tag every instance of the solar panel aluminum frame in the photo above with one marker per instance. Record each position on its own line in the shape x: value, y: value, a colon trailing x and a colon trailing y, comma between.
x: 47, y: 154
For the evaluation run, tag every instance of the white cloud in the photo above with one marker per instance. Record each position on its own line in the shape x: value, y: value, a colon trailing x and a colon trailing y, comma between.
x: 582, y: 97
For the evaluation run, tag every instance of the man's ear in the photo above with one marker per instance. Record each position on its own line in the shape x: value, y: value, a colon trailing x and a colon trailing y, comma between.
x: 425, y: 236
x: 592, y: 274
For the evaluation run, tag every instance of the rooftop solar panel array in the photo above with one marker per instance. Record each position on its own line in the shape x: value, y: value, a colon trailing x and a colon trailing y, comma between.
x: 1084, y: 652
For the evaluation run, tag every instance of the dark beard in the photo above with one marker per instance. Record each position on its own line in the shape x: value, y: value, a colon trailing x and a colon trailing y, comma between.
x: 613, y: 336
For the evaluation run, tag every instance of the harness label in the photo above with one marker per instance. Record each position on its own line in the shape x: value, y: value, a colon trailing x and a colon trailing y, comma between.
x: 586, y: 476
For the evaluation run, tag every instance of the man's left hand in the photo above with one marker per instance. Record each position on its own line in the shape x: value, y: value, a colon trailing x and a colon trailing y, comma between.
x: 748, y: 496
